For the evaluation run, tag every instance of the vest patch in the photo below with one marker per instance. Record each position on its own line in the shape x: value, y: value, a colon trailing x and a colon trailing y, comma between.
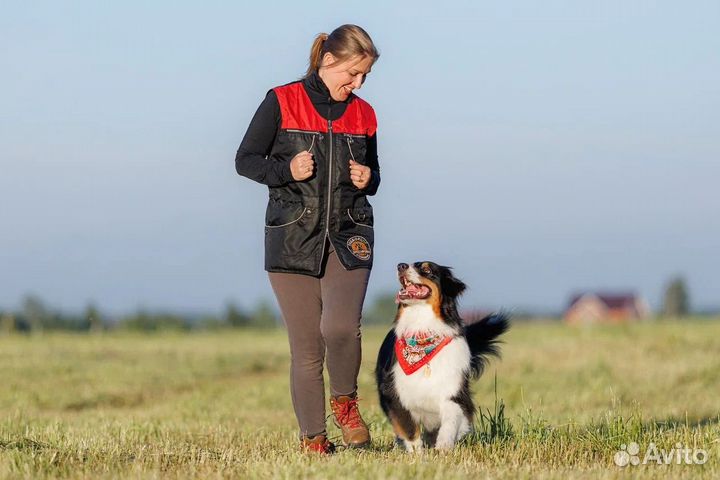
x: 359, y: 246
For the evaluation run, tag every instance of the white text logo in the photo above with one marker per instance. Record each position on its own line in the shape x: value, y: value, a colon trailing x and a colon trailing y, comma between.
x: 679, y: 455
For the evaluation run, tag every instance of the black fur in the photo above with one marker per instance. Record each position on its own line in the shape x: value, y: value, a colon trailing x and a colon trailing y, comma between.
x: 383, y: 371
x: 482, y: 337
x: 450, y: 288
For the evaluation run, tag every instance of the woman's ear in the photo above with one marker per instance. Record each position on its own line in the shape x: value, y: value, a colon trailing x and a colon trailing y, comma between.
x: 327, y: 60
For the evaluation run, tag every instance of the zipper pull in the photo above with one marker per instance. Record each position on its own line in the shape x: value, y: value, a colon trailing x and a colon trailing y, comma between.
x: 311, y: 144
x: 352, y: 155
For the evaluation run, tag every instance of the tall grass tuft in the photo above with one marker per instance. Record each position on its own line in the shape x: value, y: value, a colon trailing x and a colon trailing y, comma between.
x: 492, y: 426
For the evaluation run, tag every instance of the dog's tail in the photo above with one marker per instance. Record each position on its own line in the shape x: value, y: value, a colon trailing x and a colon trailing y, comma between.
x: 482, y: 337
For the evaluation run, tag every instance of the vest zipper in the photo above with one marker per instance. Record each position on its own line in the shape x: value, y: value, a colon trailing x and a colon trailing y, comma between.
x: 353, y: 135
x: 329, y: 191
x: 292, y: 130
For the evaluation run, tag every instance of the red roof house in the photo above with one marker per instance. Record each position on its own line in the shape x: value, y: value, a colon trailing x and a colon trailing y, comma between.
x: 591, y: 307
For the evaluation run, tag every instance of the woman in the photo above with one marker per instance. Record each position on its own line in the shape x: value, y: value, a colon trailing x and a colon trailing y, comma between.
x: 313, y: 143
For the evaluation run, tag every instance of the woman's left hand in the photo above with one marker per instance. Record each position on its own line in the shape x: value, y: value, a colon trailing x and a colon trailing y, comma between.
x: 359, y: 174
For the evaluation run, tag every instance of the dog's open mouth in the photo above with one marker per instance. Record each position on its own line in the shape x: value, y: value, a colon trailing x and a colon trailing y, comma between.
x: 412, y: 291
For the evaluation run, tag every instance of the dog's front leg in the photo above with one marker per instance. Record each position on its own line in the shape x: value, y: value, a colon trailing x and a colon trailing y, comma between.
x: 407, y: 430
x: 451, y: 419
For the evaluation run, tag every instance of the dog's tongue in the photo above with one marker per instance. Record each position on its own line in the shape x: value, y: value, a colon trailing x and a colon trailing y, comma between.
x: 411, y: 291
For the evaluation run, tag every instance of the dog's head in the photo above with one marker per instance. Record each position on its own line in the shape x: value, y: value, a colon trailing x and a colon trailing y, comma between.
x: 430, y: 283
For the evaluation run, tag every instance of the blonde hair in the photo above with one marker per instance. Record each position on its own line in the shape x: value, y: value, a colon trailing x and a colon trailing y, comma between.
x: 344, y: 43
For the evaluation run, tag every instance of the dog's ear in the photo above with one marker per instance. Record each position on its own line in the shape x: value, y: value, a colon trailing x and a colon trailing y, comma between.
x: 450, y: 285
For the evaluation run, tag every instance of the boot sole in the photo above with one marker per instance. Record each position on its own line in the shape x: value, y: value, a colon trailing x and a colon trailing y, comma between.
x: 358, y: 445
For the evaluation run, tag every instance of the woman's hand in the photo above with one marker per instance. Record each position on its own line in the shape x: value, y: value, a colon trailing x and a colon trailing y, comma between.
x: 359, y: 174
x: 302, y: 166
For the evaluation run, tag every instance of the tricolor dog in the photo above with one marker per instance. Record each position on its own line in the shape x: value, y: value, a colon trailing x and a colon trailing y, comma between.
x: 427, y: 360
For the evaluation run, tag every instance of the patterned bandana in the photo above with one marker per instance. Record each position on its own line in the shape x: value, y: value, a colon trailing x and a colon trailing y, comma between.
x: 418, y: 349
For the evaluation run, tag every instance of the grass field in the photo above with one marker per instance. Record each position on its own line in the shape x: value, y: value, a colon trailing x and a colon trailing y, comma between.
x: 217, y: 405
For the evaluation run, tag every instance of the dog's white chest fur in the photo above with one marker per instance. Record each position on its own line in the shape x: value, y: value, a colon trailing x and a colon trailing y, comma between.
x: 424, y: 394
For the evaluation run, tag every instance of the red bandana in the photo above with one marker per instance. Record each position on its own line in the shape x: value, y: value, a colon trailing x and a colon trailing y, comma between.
x: 418, y: 349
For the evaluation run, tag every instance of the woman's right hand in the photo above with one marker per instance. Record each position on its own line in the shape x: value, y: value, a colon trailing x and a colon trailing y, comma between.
x: 302, y: 166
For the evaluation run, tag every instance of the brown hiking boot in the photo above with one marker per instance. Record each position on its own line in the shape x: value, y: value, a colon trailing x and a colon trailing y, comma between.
x: 319, y: 443
x: 347, y: 417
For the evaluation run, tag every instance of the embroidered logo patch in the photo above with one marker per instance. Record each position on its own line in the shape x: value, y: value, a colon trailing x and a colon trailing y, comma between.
x: 359, y: 246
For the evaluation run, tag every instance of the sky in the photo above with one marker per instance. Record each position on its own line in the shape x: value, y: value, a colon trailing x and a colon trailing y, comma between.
x: 539, y: 148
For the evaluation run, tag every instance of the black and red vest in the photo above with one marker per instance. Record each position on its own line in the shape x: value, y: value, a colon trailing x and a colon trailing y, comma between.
x: 301, y: 215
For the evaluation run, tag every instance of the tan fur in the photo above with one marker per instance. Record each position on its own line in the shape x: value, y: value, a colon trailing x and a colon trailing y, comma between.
x: 435, y: 298
x: 400, y: 429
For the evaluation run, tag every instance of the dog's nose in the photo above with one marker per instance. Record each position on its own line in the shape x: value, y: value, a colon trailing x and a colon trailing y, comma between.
x: 402, y: 267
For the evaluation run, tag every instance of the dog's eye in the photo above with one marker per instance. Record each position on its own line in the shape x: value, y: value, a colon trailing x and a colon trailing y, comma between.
x: 426, y: 269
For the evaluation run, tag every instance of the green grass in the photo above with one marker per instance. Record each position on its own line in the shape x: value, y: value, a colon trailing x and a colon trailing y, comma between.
x: 217, y: 405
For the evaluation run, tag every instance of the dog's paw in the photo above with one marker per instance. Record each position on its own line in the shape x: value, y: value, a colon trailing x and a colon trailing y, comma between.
x: 413, y: 445
x: 444, y: 444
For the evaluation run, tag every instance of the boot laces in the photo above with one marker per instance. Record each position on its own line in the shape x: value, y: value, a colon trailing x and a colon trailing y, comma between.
x: 325, y: 447
x: 348, y: 413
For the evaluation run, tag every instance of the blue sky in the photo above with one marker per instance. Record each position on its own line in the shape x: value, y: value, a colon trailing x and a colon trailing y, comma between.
x: 538, y: 147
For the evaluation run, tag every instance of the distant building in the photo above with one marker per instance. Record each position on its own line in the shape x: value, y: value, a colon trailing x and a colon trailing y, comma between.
x: 592, y: 307
x: 474, y: 315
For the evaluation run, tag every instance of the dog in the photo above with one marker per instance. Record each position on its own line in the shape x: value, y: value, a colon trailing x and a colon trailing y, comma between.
x: 428, y: 359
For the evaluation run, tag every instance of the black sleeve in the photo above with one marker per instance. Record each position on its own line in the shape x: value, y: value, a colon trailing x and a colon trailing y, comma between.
x: 371, y: 158
x: 252, y: 159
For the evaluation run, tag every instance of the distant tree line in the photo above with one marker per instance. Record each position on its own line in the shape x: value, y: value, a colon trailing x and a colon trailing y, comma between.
x: 36, y: 316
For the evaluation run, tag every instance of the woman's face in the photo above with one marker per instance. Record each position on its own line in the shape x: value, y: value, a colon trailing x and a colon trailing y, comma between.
x: 344, y: 77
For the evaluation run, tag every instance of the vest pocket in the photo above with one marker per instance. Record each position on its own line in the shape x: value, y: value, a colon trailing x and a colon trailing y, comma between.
x: 352, y: 147
x: 354, y: 242
x: 300, y: 139
x: 357, y: 147
x: 278, y: 215
x: 361, y: 217
x: 291, y: 236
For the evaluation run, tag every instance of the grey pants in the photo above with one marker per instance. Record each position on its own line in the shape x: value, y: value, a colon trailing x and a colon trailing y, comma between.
x: 322, y: 314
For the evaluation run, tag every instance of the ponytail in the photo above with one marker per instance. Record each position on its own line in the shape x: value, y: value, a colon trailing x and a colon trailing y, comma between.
x: 316, y: 53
